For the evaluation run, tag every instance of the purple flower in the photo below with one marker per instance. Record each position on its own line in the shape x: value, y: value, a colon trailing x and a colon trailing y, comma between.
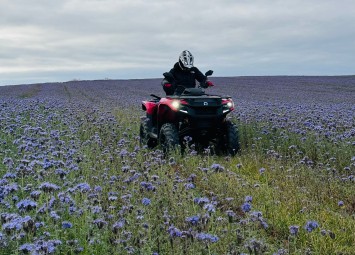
x: 9, y: 176
x: 256, y: 215
x: 39, y: 224
x: 54, y: 215
x: 98, y: 189
x: 311, y: 225
x: 7, y: 189
x: 100, y: 223
x: 207, y: 237
x: 27, y: 247
x: 189, y: 186
x: 294, y: 230
x: 248, y: 199
x: 26, y: 204
x: 193, y: 220
x: 230, y: 213
x: 191, y: 178
x: 148, y: 186
x: 66, y: 224
x: 217, y: 167
x: 146, y: 201
x: 61, y: 173
x: 35, y: 194
x: 341, y: 203
x: 246, y: 207
x: 209, y: 208
x: 264, y: 224
x: 174, y: 232
x: 262, y: 170
x: 118, y: 225
x: 112, y: 198
x: 48, y: 187
x: 96, y: 209
x: 201, y: 200
x: 82, y: 187
x: 48, y: 247
x: 65, y: 198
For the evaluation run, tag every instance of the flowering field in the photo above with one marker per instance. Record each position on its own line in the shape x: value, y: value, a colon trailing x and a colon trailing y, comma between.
x: 75, y: 180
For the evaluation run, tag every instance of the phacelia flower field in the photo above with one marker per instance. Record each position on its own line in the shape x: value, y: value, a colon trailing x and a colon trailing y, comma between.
x: 74, y: 178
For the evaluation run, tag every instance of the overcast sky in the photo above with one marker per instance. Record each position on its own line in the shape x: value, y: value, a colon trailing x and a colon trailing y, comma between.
x: 61, y: 40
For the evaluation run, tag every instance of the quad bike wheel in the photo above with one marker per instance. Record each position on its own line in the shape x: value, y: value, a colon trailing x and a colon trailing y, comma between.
x: 230, y: 141
x: 169, y: 137
x: 145, y: 139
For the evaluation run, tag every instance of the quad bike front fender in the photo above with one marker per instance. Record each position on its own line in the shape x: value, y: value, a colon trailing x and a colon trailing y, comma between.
x: 149, y: 107
x: 166, y: 114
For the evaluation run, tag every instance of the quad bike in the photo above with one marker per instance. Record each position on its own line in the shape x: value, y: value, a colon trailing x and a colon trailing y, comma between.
x: 191, y: 114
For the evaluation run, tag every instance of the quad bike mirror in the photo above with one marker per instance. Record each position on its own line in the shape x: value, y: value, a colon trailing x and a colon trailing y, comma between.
x: 209, y: 73
x: 168, y: 76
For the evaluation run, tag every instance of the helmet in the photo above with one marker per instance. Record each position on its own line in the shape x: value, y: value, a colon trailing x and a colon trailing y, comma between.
x: 186, y: 60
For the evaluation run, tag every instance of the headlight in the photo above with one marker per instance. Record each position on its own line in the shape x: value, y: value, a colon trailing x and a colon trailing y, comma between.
x: 230, y: 104
x: 175, y: 104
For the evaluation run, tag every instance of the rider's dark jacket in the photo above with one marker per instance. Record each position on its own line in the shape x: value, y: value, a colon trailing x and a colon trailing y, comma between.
x: 185, y: 78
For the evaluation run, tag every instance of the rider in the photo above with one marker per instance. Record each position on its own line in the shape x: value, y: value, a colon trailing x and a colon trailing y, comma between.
x: 185, y: 74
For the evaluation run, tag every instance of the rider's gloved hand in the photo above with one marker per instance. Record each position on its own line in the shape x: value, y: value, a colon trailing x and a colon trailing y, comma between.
x: 209, y: 84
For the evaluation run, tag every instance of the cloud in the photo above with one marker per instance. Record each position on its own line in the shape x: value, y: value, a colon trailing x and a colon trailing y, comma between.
x: 136, y: 39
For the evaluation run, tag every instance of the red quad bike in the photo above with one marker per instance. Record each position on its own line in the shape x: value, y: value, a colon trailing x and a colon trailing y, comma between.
x: 189, y: 115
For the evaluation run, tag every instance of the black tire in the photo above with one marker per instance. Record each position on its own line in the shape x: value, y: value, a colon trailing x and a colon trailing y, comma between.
x: 144, y: 129
x: 169, y: 137
x: 230, y: 143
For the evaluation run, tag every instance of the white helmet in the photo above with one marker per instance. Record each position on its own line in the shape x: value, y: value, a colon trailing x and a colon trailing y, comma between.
x: 186, y: 59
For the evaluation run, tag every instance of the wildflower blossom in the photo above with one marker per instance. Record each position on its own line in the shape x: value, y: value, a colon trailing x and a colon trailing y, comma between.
x: 256, y: 215
x: 98, y: 189
x: 82, y: 187
x: 65, y: 198
x: 230, y: 213
x: 207, y: 237
x: 246, y: 207
x: 96, y: 209
x: 193, y: 220
x: 112, y: 198
x: 148, y: 186
x: 9, y: 188
x: 66, y: 224
x: 118, y: 225
x: 146, y: 201
x: 100, y: 223
x: 54, y: 215
x: 209, y: 208
x: 27, y: 247
x: 311, y: 225
x: 38, y: 225
x: 191, y: 178
x: 61, y: 173
x: 48, y: 187
x: 189, y: 186
x: 217, y: 167
x: 26, y: 204
x: 174, y: 232
x: 201, y: 200
x: 248, y: 199
x: 10, y: 176
x: 35, y: 194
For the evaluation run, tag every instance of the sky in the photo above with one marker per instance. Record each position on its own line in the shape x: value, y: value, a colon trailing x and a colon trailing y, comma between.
x: 62, y: 40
